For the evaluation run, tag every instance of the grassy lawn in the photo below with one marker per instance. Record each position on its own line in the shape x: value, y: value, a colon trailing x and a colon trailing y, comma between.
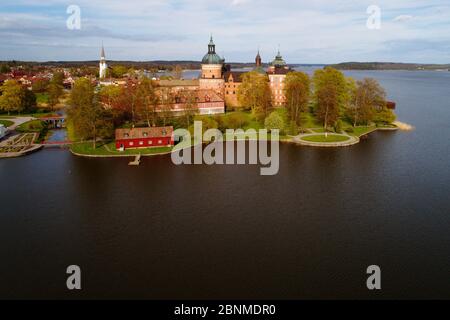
x: 109, y: 148
x: 309, y: 121
x: 32, y: 126
x: 322, y: 138
x: 6, y: 123
x: 359, y: 131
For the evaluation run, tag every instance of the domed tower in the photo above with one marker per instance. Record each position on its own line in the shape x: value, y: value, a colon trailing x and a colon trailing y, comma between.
x: 212, y: 67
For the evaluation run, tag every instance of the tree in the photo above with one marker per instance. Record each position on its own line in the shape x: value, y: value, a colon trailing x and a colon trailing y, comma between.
x: 384, y: 115
x: 331, y: 95
x: 297, y: 93
x: 189, y: 98
x: 118, y: 71
x: 368, y: 97
x: 29, y: 100
x: 13, y: 96
x: 146, y: 101
x: 254, y: 92
x: 115, y: 99
x: 166, y: 101
x: 58, y: 78
x: 4, y: 68
x: 40, y: 85
x: 89, y: 118
x: 274, y: 121
x: 54, y: 91
x: 236, y: 120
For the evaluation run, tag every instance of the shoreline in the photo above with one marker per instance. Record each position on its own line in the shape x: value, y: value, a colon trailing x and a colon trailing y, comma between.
x: 350, y: 142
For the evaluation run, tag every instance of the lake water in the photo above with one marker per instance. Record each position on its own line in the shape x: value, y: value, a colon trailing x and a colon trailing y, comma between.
x: 162, y: 231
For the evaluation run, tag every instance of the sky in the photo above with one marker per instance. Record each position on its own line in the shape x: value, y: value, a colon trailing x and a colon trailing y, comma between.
x: 305, y: 31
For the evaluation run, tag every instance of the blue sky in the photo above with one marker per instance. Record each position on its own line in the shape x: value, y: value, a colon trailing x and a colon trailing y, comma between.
x: 314, y: 31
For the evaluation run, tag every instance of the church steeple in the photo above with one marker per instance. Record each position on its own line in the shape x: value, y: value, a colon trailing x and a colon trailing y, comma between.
x: 102, y: 66
x: 258, y: 60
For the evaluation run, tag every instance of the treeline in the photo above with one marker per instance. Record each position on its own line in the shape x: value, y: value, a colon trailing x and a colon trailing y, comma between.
x: 328, y: 95
x: 17, y: 98
x: 388, y: 66
x: 93, y: 114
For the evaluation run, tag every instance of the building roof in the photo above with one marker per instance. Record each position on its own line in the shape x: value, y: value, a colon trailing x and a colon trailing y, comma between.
x: 236, y: 75
x: 178, y: 83
x: 279, y: 70
x: 211, y: 57
x: 148, y: 132
x: 278, y: 61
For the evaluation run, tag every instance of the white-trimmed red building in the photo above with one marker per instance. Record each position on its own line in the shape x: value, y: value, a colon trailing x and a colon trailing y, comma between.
x: 144, y: 138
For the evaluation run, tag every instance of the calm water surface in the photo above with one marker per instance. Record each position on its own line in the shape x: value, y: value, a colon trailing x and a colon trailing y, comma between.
x: 162, y: 231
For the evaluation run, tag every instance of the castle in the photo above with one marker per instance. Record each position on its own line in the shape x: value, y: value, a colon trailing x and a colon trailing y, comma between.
x: 218, y: 85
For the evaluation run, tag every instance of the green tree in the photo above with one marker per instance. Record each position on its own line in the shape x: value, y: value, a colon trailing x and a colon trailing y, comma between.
x: 118, y: 71
x: 297, y: 93
x: 29, y: 100
x: 58, y: 78
x: 274, y: 121
x: 54, y: 91
x: 89, y: 119
x: 384, y: 115
x: 331, y: 95
x: 368, y: 97
x: 13, y: 96
x: 236, y: 120
x: 254, y: 92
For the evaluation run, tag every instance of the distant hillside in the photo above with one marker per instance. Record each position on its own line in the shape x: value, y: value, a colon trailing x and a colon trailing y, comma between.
x: 388, y: 66
x: 157, y: 64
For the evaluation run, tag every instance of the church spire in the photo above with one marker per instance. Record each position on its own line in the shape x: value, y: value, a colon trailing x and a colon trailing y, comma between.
x: 102, y: 54
x: 258, y: 60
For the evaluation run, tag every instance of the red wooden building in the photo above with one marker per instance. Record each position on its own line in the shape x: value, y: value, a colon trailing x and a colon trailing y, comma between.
x: 144, y: 137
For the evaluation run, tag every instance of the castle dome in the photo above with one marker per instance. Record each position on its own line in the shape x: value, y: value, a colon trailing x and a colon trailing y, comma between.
x: 278, y: 61
x: 212, y: 57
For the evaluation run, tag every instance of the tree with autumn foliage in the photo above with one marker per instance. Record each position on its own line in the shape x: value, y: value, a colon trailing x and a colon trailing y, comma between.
x: 254, y: 92
x: 297, y: 93
x: 367, y: 98
x: 89, y: 118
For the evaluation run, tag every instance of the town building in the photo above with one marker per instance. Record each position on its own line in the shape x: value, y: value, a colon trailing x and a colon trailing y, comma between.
x: 144, y: 138
x: 216, y: 87
x: 233, y: 80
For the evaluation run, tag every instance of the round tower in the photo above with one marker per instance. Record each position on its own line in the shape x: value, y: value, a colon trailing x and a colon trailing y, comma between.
x: 212, y: 68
